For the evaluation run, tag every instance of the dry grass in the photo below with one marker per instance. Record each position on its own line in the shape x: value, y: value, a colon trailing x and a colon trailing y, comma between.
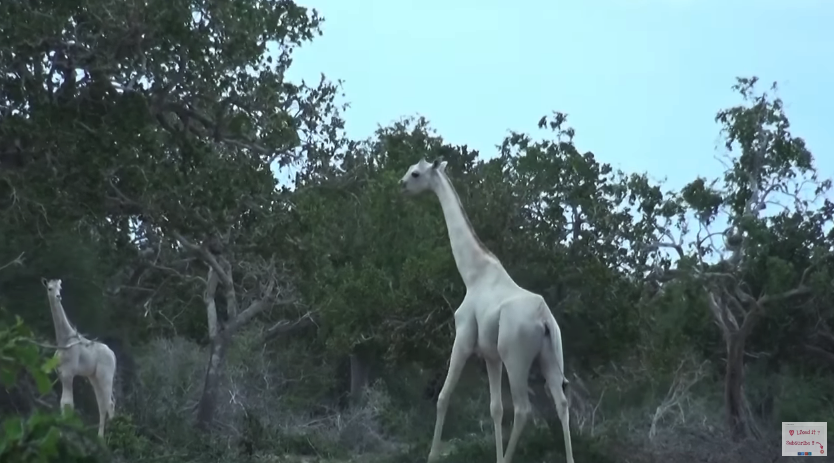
x: 279, y: 406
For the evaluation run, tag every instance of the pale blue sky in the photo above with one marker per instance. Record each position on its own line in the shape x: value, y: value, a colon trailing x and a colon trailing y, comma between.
x: 641, y: 80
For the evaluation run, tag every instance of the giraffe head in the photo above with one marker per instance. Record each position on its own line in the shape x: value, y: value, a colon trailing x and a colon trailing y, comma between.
x: 421, y: 176
x: 53, y: 287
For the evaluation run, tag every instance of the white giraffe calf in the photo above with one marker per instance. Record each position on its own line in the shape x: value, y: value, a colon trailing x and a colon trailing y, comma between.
x: 79, y: 356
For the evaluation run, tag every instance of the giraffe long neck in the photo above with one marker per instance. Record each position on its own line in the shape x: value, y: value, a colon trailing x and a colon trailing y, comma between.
x: 471, y: 256
x: 63, y: 329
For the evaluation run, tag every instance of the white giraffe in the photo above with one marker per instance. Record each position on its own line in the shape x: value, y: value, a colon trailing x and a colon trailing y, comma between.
x: 498, y: 320
x: 79, y: 356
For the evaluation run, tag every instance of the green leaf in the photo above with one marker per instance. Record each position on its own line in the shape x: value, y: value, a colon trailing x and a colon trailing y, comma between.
x: 13, y: 428
x: 51, y: 364
x: 41, y: 380
x: 7, y: 376
x: 49, y: 443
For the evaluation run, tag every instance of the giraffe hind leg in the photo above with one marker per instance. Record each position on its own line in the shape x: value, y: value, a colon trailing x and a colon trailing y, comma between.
x: 557, y: 385
x: 519, y: 342
x: 495, y: 368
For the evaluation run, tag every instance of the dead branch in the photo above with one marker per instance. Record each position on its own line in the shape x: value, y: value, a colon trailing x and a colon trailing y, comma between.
x: 16, y: 261
x: 52, y: 346
x: 757, y: 305
x: 682, y: 382
x: 677, y: 245
x: 724, y: 318
x: 210, y: 260
x: 594, y: 412
x: 267, y: 299
x: 284, y: 327
x: 790, y: 294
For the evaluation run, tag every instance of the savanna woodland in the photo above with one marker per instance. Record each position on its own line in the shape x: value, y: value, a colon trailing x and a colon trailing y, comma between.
x: 254, y: 321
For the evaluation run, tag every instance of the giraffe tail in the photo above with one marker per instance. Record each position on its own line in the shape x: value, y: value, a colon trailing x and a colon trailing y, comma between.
x: 554, y: 335
x: 111, y: 411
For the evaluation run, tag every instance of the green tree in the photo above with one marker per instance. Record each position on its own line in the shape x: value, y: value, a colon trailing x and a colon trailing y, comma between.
x: 153, y: 128
x: 569, y: 234
x: 744, y: 271
x: 376, y: 293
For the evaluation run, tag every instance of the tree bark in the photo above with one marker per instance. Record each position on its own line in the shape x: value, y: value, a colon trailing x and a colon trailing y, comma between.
x: 359, y: 372
x: 214, y: 372
x: 734, y: 387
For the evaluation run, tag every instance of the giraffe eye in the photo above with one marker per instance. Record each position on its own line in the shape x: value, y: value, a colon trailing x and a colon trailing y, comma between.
x: 415, y: 174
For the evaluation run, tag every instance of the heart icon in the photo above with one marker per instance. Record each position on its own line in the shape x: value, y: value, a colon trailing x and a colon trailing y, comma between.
x: 791, y: 432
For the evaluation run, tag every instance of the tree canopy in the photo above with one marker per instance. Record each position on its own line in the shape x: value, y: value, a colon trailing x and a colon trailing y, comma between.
x: 139, y: 146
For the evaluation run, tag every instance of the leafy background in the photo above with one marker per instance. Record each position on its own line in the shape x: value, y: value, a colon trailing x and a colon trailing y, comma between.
x: 258, y: 322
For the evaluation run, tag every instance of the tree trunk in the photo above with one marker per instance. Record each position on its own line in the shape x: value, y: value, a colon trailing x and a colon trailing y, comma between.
x: 734, y: 387
x: 359, y: 372
x: 214, y: 371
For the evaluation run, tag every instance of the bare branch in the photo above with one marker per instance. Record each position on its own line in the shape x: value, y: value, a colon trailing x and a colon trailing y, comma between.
x: 16, y: 261
x: 286, y: 326
x: 224, y: 276
x: 671, y: 244
x: 681, y: 384
x: 723, y: 317
x: 179, y: 273
x: 800, y: 290
x: 257, y: 307
x: 51, y: 346
x: 211, y: 304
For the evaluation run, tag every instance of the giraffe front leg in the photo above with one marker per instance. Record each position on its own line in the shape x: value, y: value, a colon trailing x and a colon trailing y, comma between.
x: 461, y: 350
x: 67, y: 400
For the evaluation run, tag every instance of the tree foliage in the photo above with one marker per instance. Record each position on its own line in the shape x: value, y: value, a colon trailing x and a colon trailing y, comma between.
x: 139, y: 144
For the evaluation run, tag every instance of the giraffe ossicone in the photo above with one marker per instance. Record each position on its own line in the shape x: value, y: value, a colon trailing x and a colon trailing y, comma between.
x: 507, y: 325
x: 79, y: 356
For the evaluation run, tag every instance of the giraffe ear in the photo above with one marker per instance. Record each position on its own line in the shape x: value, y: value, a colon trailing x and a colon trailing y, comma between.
x: 438, y: 164
x: 43, y: 281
